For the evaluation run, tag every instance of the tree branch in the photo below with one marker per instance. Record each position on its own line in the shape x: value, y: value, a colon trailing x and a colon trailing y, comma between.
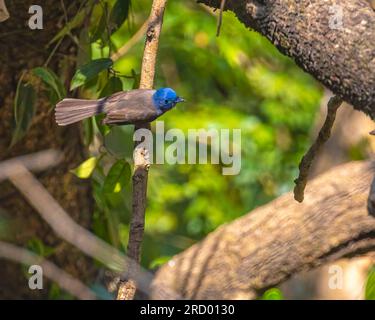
x: 16, y: 170
x: 131, y: 42
x: 325, y: 132
x: 341, y: 57
x: 265, y: 247
x: 141, y: 163
x: 50, y: 270
x: 4, y: 14
x: 37, y: 161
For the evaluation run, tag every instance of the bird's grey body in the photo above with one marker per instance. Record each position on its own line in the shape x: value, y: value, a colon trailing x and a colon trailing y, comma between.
x: 125, y: 107
x: 135, y: 106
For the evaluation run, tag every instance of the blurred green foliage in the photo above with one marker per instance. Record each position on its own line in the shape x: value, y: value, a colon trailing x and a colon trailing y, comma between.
x: 370, y: 285
x: 237, y: 80
x: 273, y: 294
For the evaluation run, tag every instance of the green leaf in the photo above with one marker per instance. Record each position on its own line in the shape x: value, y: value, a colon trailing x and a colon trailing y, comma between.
x: 119, y: 14
x: 84, y: 49
x: 24, y: 110
x: 137, y: 79
x: 89, y: 71
x: 103, y: 128
x: 117, y: 177
x: 86, y: 168
x: 273, y: 294
x: 370, y: 285
x: 159, y: 261
x: 99, y: 28
x: 37, y: 246
x: 88, y: 125
x: 119, y: 142
x: 52, y: 81
x: 113, y: 85
x: 72, y: 24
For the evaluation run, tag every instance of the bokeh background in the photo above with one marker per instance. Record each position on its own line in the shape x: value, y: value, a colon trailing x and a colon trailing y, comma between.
x: 236, y: 80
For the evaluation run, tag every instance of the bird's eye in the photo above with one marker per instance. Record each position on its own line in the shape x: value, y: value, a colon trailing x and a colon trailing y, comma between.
x: 166, y: 101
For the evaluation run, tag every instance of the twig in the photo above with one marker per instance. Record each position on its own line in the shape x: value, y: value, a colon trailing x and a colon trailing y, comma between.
x: 46, y: 63
x: 127, y: 286
x: 50, y: 270
x: 4, y: 14
x: 132, y: 41
x: 37, y: 161
x: 60, y: 221
x: 307, y: 160
x: 220, y: 19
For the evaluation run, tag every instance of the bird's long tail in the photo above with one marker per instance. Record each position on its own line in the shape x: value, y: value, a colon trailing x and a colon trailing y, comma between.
x: 73, y: 110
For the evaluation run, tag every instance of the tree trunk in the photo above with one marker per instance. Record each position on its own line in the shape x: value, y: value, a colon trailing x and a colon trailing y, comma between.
x: 264, y: 248
x: 23, y: 49
x: 340, y: 53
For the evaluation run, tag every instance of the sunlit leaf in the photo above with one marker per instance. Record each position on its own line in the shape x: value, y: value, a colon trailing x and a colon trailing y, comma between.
x: 117, y: 177
x: 85, y: 169
x: 273, y: 294
x: 24, y: 110
x: 89, y: 71
x: 370, y: 286
x: 159, y: 261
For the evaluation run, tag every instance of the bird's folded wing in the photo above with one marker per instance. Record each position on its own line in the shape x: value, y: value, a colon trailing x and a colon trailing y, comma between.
x: 130, y: 116
x: 129, y: 96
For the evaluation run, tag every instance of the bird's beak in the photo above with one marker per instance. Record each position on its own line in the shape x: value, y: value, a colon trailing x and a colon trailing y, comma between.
x: 179, y: 99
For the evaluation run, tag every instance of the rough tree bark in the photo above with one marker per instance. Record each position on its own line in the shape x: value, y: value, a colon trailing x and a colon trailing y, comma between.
x: 22, y: 49
x: 262, y: 249
x: 350, y: 132
x: 342, y: 58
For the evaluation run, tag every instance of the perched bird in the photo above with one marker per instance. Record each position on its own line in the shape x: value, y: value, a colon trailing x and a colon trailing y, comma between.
x: 125, y: 107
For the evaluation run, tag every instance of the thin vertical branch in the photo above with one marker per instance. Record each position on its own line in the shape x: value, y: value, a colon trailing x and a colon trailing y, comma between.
x: 141, y: 162
x: 220, y: 19
x: 325, y: 132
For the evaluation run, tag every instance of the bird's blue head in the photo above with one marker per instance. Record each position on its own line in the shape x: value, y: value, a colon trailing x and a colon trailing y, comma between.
x: 165, y: 99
